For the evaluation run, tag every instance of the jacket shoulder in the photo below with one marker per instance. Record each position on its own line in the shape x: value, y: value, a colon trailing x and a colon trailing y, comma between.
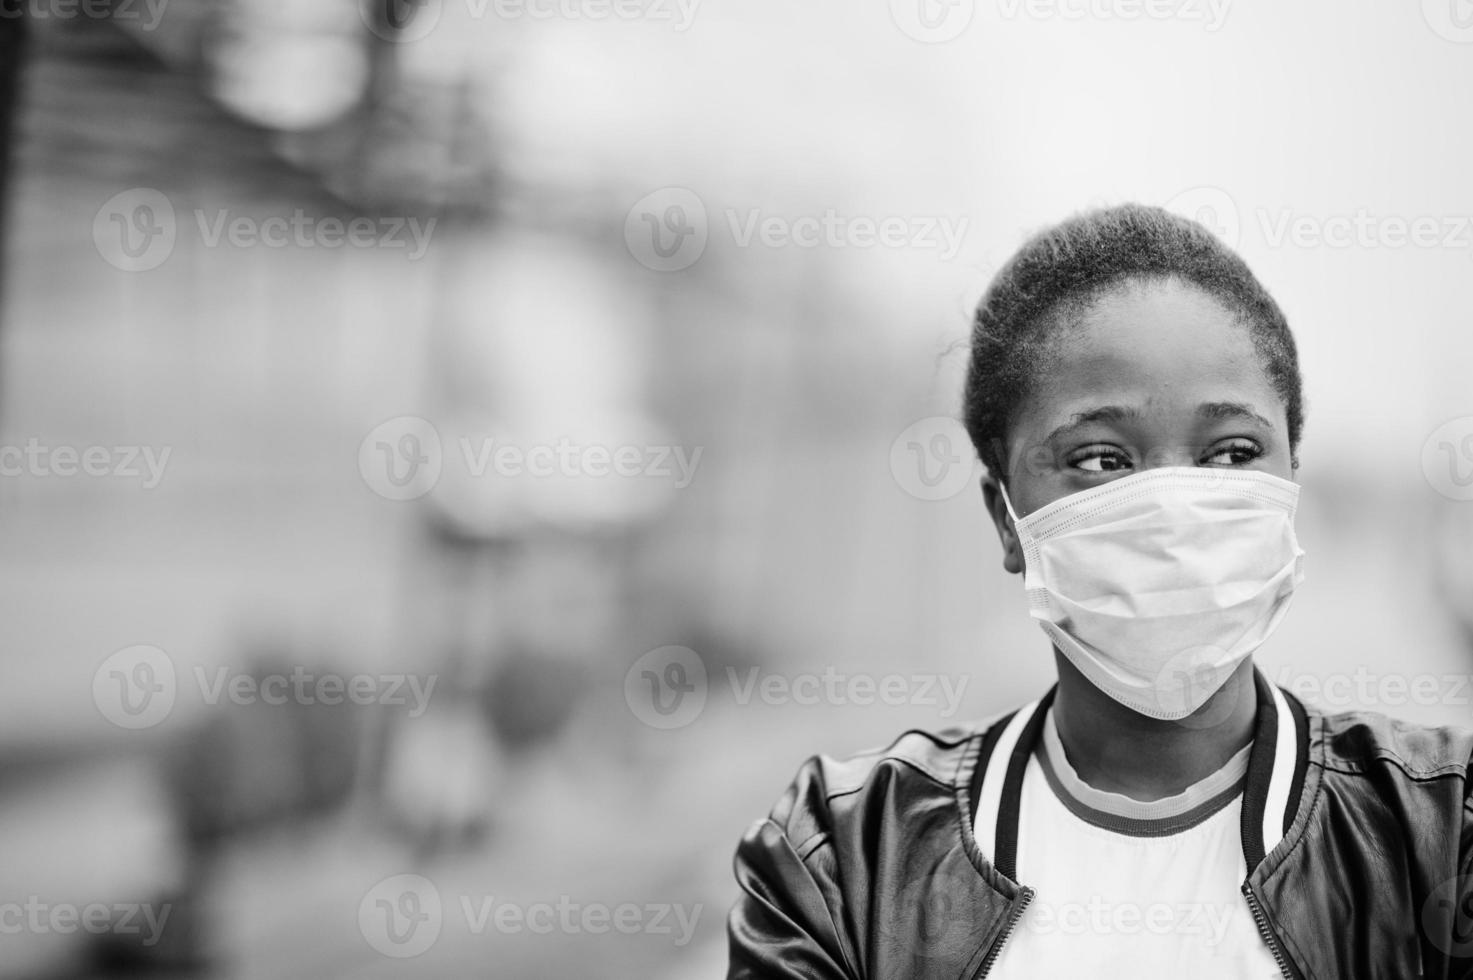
x: 1362, y: 741
x: 917, y: 763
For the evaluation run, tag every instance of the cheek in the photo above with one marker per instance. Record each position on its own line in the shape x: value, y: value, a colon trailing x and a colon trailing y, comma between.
x: 1030, y: 492
x: 1282, y: 464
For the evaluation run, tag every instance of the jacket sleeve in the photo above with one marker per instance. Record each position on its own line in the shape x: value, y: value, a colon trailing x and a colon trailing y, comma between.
x: 1462, y: 967
x: 783, y: 925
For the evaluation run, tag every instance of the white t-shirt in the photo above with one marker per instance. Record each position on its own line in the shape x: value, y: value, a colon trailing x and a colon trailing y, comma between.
x: 1131, y: 889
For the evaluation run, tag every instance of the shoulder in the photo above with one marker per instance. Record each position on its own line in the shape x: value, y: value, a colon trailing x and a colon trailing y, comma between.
x: 1367, y: 742
x: 1385, y: 773
x: 917, y: 769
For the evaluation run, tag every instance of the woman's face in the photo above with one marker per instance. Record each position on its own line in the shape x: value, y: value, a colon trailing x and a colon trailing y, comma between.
x: 1153, y: 374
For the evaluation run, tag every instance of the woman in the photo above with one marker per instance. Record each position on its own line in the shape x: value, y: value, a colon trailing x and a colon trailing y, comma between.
x: 1163, y: 811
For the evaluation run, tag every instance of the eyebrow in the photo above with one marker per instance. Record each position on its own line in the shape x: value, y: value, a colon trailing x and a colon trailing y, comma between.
x: 1211, y: 411
x: 1106, y: 413
x: 1229, y: 411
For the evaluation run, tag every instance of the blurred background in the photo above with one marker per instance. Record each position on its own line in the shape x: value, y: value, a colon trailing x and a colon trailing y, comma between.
x: 459, y: 457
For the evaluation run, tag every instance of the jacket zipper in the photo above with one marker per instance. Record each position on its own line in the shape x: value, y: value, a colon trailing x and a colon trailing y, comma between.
x: 1263, y: 928
x: 1012, y: 924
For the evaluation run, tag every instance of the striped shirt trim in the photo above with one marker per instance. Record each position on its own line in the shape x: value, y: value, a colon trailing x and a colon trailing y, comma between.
x: 1137, y: 818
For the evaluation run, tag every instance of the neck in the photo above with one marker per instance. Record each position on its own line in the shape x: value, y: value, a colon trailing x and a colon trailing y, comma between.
x: 1118, y: 750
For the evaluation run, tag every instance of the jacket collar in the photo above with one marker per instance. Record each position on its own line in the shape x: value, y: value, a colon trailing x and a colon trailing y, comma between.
x: 1277, y: 767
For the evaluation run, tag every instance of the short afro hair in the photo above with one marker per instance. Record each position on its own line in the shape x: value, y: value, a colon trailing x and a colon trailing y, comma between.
x: 1062, y: 269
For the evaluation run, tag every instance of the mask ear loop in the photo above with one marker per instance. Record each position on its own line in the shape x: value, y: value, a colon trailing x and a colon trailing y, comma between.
x: 1011, y: 513
x: 1006, y: 502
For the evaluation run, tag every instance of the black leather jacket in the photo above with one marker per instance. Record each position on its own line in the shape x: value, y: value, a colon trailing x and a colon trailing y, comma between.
x: 1357, y: 831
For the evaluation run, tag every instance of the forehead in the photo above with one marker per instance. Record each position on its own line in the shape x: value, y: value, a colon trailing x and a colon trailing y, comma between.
x: 1157, y: 340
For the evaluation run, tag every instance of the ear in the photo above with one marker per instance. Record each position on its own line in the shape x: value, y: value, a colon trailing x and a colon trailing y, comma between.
x: 1012, y: 553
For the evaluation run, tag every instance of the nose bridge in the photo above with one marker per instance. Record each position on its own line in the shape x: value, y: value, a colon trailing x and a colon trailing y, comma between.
x: 1166, y: 430
x: 1169, y: 454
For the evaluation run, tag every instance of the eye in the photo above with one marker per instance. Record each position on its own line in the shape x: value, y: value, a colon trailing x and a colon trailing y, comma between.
x: 1099, y: 459
x: 1234, y: 452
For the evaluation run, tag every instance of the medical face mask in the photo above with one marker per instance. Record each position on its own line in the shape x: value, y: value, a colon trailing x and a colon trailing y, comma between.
x: 1159, y: 584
